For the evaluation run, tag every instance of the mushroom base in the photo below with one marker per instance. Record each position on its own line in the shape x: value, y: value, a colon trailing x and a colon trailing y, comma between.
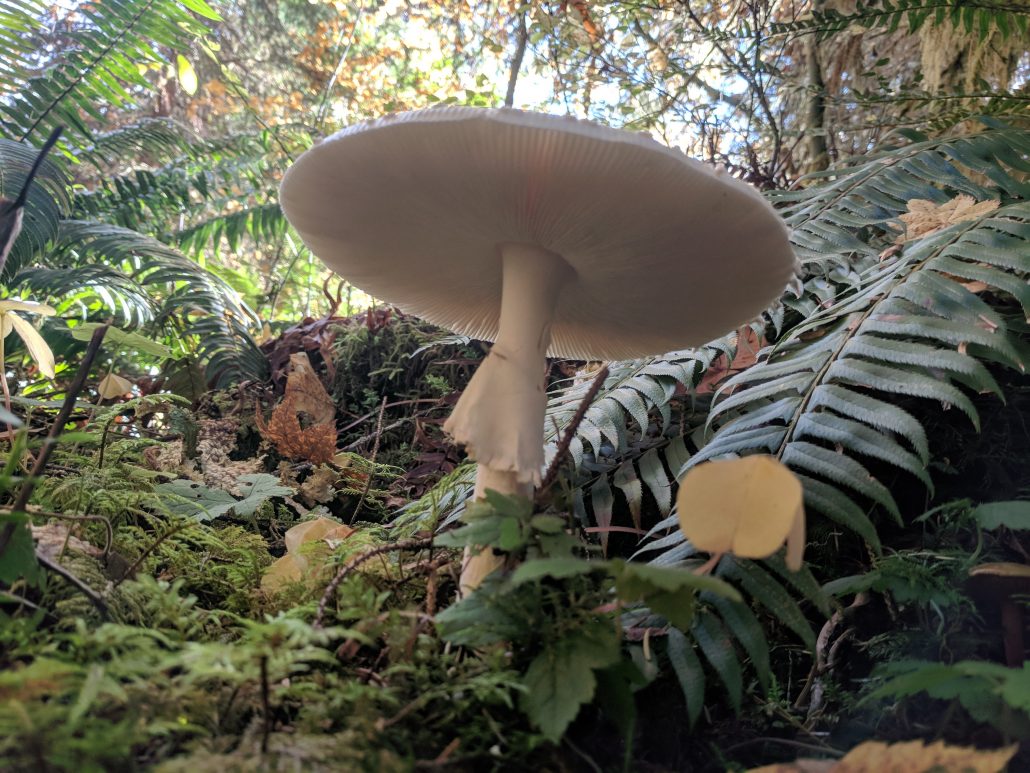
x: 475, y: 567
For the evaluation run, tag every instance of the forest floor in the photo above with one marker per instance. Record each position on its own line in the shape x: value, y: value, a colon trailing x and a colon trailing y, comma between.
x: 252, y: 583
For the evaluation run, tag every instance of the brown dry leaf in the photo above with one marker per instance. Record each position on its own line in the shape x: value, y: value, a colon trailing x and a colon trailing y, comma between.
x: 925, y: 217
x: 907, y: 757
x: 309, y: 396
x: 301, y: 562
x: 315, y: 444
x: 320, y: 486
x: 915, y: 757
x: 748, y: 346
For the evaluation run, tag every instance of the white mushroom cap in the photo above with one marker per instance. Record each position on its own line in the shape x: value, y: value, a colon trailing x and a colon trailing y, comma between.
x: 414, y: 208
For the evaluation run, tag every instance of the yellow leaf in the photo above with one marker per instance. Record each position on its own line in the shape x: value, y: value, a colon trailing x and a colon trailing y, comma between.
x: 906, y: 757
x: 112, y: 386
x: 301, y: 563
x: 37, y: 347
x: 187, y: 75
x: 748, y: 507
x: 30, y: 306
x: 283, y: 572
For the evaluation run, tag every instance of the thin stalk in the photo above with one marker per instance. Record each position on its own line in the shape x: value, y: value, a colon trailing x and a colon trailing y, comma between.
x: 25, y: 492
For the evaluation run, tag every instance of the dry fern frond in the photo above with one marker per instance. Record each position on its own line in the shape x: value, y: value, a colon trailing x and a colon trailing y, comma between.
x: 315, y: 444
x: 305, y: 388
x: 924, y: 217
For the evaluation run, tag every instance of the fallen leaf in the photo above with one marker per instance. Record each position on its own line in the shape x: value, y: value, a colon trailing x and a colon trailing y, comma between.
x: 54, y: 538
x: 315, y: 444
x: 749, y: 507
x: 309, y: 396
x: 926, y: 217
x: 301, y: 561
x: 906, y: 757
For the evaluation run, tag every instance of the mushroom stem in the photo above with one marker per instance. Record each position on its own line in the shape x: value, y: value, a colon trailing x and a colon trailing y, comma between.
x: 500, y: 416
x: 1012, y: 625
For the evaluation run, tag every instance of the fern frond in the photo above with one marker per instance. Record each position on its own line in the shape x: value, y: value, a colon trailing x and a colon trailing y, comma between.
x: 874, y: 190
x: 980, y: 16
x: 821, y: 399
x: 98, y: 66
x: 48, y: 200
x: 139, y: 278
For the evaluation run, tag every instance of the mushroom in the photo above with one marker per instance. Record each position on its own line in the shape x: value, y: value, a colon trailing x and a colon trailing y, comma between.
x: 998, y: 584
x: 546, y: 235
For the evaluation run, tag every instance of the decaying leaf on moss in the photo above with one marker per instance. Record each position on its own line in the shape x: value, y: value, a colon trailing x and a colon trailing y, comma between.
x: 309, y: 396
x: 302, y: 560
x: 316, y: 442
x: 749, y: 507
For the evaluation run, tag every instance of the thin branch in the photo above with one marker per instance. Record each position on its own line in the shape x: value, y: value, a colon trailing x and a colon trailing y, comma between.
x: 56, y: 428
x: 372, y: 461
x: 516, y: 62
x: 347, y: 569
x: 323, y: 107
x: 55, y: 568
x: 570, y: 430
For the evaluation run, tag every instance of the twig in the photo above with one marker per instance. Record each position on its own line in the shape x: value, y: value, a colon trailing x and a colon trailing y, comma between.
x: 375, y: 435
x: 516, y: 61
x: 47, y: 514
x: 822, y: 749
x: 372, y: 461
x: 25, y: 492
x: 348, y: 568
x: 323, y: 107
x: 266, y: 729
x: 142, y: 556
x: 570, y: 430
x: 370, y: 414
x: 95, y: 599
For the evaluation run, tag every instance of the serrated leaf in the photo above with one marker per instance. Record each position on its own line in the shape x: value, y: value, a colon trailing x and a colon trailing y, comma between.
x: 561, y: 678
x: 557, y: 568
x: 206, y: 503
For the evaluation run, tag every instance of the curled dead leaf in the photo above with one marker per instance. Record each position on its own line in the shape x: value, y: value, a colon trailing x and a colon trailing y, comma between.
x: 305, y: 388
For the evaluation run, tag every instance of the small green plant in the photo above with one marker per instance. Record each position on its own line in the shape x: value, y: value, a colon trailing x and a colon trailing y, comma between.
x: 561, y: 614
